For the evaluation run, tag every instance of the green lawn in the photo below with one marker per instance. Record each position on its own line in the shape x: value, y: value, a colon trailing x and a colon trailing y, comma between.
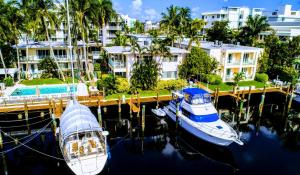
x: 46, y: 81
x: 142, y: 94
x: 229, y: 86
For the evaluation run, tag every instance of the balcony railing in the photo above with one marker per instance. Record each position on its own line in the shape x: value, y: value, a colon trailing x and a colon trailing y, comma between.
x: 116, y: 64
x: 233, y: 63
x: 249, y: 62
x: 229, y: 78
x: 96, y: 54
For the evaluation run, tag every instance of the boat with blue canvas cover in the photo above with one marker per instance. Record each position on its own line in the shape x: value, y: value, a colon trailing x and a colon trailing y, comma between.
x: 198, y: 116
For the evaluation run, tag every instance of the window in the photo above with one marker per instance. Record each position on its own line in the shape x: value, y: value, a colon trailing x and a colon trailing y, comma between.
x: 229, y: 58
x: 213, y: 17
x: 43, y: 53
x: 174, y: 58
x: 245, y: 58
x: 240, y: 24
x: 222, y: 16
x: 169, y: 74
x: 218, y: 16
x: 228, y: 72
x: 241, y: 16
x: 244, y: 70
x: 60, y: 53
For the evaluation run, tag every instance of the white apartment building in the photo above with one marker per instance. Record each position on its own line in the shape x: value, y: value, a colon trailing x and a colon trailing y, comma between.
x: 33, y: 52
x: 237, y: 16
x: 128, y: 20
x: 232, y: 58
x: 285, y: 22
x: 149, y: 25
x: 121, y: 59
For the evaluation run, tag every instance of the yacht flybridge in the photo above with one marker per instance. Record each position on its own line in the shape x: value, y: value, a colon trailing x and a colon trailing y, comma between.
x: 198, y: 116
x: 82, y: 142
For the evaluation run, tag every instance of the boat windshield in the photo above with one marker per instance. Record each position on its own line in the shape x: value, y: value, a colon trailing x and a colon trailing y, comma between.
x: 197, y: 99
x: 83, y: 144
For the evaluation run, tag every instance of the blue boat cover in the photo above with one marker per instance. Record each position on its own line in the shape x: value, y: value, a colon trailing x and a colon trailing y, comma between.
x: 194, y: 91
x: 204, y: 118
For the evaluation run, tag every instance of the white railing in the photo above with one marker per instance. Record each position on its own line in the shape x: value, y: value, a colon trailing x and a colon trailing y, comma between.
x: 116, y: 64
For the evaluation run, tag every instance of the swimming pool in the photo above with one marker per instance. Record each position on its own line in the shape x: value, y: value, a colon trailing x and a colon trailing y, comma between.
x: 43, y: 90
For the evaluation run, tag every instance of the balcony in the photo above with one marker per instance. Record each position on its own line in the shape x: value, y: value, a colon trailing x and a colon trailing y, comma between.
x: 30, y: 58
x: 249, y: 62
x: 96, y: 55
x: 229, y: 78
x: 233, y: 63
x: 116, y: 64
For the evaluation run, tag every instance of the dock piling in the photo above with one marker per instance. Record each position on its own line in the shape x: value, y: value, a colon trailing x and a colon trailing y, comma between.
x: 99, y: 115
x: 157, y: 101
x: 177, y: 114
x: 26, y: 118
x: 261, y: 104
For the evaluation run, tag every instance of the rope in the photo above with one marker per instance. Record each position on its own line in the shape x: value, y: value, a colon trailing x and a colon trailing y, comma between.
x: 8, y: 121
x: 18, y: 126
x: 25, y: 142
x: 32, y: 149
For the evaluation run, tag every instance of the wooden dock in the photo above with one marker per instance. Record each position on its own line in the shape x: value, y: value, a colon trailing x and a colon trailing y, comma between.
x: 58, y: 105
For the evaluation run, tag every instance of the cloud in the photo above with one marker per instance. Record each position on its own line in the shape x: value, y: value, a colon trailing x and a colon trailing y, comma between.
x: 117, y: 6
x: 195, y: 12
x: 136, y: 6
x: 151, y: 14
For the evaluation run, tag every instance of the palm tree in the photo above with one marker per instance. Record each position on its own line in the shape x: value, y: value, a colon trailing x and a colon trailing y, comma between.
x: 44, y: 18
x: 120, y: 40
x: 170, y: 19
x: 238, y: 77
x: 254, y: 26
x: 194, y: 27
x: 184, y: 20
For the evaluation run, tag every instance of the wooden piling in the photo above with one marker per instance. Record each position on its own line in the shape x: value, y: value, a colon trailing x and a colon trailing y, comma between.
x: 143, y: 118
x: 120, y: 108
x: 248, y: 103
x: 1, y: 140
x: 290, y: 100
x: 261, y: 104
x: 177, y: 114
x: 217, y: 98
x: 26, y: 118
x: 99, y: 112
x: 130, y: 107
x: 157, y: 100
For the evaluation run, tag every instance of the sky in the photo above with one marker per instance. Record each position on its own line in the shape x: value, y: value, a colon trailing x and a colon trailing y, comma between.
x: 152, y: 9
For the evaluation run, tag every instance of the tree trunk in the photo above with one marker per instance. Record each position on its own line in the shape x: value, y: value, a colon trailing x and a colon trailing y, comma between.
x: 18, y: 60
x: 52, y: 55
x: 4, y: 67
x: 27, y: 59
x: 85, y: 57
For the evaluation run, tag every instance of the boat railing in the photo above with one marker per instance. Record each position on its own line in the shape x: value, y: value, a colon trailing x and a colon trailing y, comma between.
x: 214, y: 130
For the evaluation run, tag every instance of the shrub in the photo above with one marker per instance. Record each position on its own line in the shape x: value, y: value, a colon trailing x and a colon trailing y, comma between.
x: 109, y: 83
x: 261, y: 77
x: 122, y: 85
x: 98, y: 74
x: 8, y: 81
x: 171, y: 84
x: 97, y: 67
x: 212, y: 79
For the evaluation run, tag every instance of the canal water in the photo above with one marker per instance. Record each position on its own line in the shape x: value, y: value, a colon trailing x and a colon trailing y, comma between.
x: 272, y: 146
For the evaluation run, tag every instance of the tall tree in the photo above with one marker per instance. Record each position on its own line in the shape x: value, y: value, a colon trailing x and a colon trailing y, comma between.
x: 43, y: 14
x: 194, y: 27
x: 219, y: 31
x: 198, y: 62
x: 254, y: 26
x: 170, y: 22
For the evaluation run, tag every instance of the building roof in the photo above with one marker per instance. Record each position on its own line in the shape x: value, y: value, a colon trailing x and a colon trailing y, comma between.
x: 46, y: 44
x: 210, y: 45
x: 128, y: 50
x: 292, y: 24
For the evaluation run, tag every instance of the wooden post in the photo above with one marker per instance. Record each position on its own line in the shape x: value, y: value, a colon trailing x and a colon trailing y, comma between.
x: 120, y: 108
x: 26, y: 118
x: 285, y: 106
x: 261, y: 104
x: 1, y: 140
x: 177, y: 114
x: 143, y: 118
x: 291, y: 100
x: 4, y: 164
x: 99, y: 113
x: 143, y: 125
x: 248, y: 103
x: 104, y: 92
x: 217, y: 97
x: 130, y: 107
x: 157, y: 101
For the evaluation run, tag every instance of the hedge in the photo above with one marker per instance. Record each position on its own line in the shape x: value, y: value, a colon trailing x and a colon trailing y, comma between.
x: 171, y: 84
x: 261, y: 77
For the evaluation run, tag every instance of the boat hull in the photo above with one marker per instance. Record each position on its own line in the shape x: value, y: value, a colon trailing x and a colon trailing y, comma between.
x: 90, y: 166
x: 198, y: 133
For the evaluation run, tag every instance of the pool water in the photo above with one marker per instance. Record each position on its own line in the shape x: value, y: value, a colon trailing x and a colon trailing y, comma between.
x: 43, y: 90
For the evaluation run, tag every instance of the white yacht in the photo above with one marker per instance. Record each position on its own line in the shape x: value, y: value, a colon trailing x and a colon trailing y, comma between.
x: 198, y: 116
x: 82, y: 142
